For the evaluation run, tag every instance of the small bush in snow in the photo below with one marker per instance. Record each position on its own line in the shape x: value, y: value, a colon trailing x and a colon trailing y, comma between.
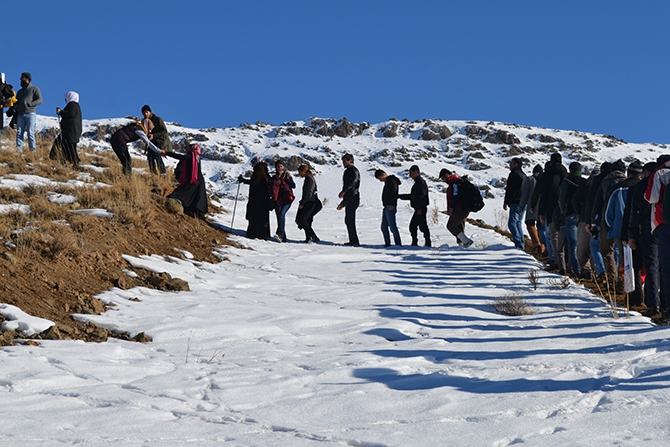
x: 512, y: 304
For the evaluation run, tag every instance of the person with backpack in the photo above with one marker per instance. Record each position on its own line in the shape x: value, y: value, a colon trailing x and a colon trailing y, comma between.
x: 390, y: 207
x: 132, y: 131
x: 659, y: 183
x: 457, y: 212
x: 418, y: 199
x: 71, y: 127
x: 158, y: 134
x: 191, y: 191
x: 281, y: 196
x: 513, y: 192
x: 27, y: 99
x: 351, y: 181
x: 309, y: 204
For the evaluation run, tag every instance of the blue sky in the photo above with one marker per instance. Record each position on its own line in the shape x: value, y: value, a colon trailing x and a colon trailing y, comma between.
x: 595, y: 66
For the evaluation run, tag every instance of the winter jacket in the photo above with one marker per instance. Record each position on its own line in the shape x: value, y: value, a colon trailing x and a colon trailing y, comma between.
x: 514, y: 188
x: 70, y: 124
x: 133, y: 132
x: 616, y: 207
x: 453, y: 192
x: 549, y: 190
x: 351, y: 181
x: 526, y: 194
x: 566, y: 193
x: 160, y: 133
x: 656, y: 188
x: 602, y: 195
x: 640, y: 211
x: 308, y: 190
x: 28, y: 98
x: 418, y: 196
x: 390, y: 191
x: 580, y: 198
x: 281, y: 189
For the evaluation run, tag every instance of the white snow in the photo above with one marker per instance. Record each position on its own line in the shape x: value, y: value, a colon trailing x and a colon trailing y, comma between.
x: 97, y: 212
x: 320, y: 344
x: 17, y: 320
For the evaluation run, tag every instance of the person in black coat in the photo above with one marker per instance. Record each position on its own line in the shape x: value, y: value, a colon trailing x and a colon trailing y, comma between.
x: 70, y: 127
x: 258, y: 206
x: 390, y: 204
x: 191, y: 191
x: 548, y: 203
x: 351, y: 181
x: 513, y: 192
x: 418, y: 199
x: 309, y: 204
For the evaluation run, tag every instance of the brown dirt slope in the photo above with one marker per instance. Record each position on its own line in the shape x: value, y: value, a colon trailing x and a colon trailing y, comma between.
x: 53, y: 262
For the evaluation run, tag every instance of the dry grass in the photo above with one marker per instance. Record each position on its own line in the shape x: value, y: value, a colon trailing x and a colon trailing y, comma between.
x: 512, y: 304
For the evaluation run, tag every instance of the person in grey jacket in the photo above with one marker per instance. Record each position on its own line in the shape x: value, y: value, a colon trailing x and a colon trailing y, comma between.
x: 527, y: 191
x: 28, y: 98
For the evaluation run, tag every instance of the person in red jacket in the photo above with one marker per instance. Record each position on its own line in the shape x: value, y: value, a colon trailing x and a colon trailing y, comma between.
x: 658, y: 183
x: 457, y: 214
x: 281, y: 193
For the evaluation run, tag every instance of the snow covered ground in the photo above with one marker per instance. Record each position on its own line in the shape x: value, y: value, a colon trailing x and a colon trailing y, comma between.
x: 320, y: 344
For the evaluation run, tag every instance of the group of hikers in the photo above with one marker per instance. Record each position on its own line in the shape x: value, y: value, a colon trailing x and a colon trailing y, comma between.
x: 267, y: 193
x: 585, y: 225
x: 151, y: 129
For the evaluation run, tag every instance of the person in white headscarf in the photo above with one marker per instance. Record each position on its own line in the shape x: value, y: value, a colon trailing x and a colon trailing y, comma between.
x: 70, y: 127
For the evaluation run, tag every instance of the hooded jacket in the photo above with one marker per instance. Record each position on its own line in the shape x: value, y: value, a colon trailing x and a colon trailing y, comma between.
x: 390, y: 191
x: 616, y: 207
x: 618, y: 175
x: 549, y: 189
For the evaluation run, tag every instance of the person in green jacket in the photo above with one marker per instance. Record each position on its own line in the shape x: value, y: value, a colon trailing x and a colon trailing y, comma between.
x: 158, y: 136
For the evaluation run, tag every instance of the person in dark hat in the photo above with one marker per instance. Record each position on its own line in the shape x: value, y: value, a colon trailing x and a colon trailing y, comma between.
x: 524, y: 205
x: 28, y: 98
x: 158, y: 134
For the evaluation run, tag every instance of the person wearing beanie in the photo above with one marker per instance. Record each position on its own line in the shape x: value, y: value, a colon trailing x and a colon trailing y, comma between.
x: 158, y: 134
x: 527, y: 191
x: 27, y: 99
x: 549, y: 187
x: 513, y: 191
x: 456, y: 212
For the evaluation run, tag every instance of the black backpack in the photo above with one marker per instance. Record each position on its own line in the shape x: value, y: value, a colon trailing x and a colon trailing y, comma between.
x: 471, y: 197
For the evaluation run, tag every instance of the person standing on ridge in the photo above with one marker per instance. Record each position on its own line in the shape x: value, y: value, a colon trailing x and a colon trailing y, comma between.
x: 28, y: 98
x: 158, y: 135
x: 71, y: 127
x: 351, y: 181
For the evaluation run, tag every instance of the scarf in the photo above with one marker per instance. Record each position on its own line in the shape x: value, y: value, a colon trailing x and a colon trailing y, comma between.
x: 191, y: 178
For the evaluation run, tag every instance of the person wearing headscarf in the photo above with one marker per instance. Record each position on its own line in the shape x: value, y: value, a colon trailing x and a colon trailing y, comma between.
x: 258, y: 206
x: 71, y: 127
x: 191, y: 191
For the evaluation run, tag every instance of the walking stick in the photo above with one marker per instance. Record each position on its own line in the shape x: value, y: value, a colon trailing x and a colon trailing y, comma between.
x: 235, y: 206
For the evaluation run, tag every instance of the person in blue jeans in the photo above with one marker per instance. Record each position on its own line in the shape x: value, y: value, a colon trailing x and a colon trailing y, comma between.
x: 568, y: 188
x: 281, y: 192
x: 28, y: 98
x: 390, y: 204
x: 513, y: 192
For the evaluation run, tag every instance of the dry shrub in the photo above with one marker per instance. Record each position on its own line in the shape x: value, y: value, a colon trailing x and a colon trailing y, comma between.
x: 512, y: 304
x: 82, y: 223
x: 42, y: 209
x: 50, y: 240
x: 435, y: 215
x: 559, y: 283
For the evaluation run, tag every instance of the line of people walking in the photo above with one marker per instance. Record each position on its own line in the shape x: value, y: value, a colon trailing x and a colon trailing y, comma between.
x: 584, y: 224
x: 276, y: 193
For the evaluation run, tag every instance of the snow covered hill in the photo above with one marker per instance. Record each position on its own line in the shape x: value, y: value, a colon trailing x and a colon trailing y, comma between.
x: 479, y: 149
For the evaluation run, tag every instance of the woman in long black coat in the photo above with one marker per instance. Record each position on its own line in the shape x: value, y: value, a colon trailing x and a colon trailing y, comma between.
x: 258, y: 207
x: 191, y: 191
x: 309, y: 204
x: 71, y: 127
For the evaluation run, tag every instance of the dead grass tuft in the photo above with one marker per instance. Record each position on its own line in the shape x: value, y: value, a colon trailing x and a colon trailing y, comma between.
x: 512, y: 304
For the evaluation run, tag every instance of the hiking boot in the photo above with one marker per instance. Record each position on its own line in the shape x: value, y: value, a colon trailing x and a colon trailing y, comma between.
x: 464, y: 240
x: 428, y: 244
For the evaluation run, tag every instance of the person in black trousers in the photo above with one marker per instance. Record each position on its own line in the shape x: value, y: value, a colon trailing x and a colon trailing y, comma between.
x: 351, y: 181
x: 71, y: 127
x: 418, y: 199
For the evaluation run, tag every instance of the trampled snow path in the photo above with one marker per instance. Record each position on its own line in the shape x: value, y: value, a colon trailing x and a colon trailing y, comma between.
x: 306, y: 345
